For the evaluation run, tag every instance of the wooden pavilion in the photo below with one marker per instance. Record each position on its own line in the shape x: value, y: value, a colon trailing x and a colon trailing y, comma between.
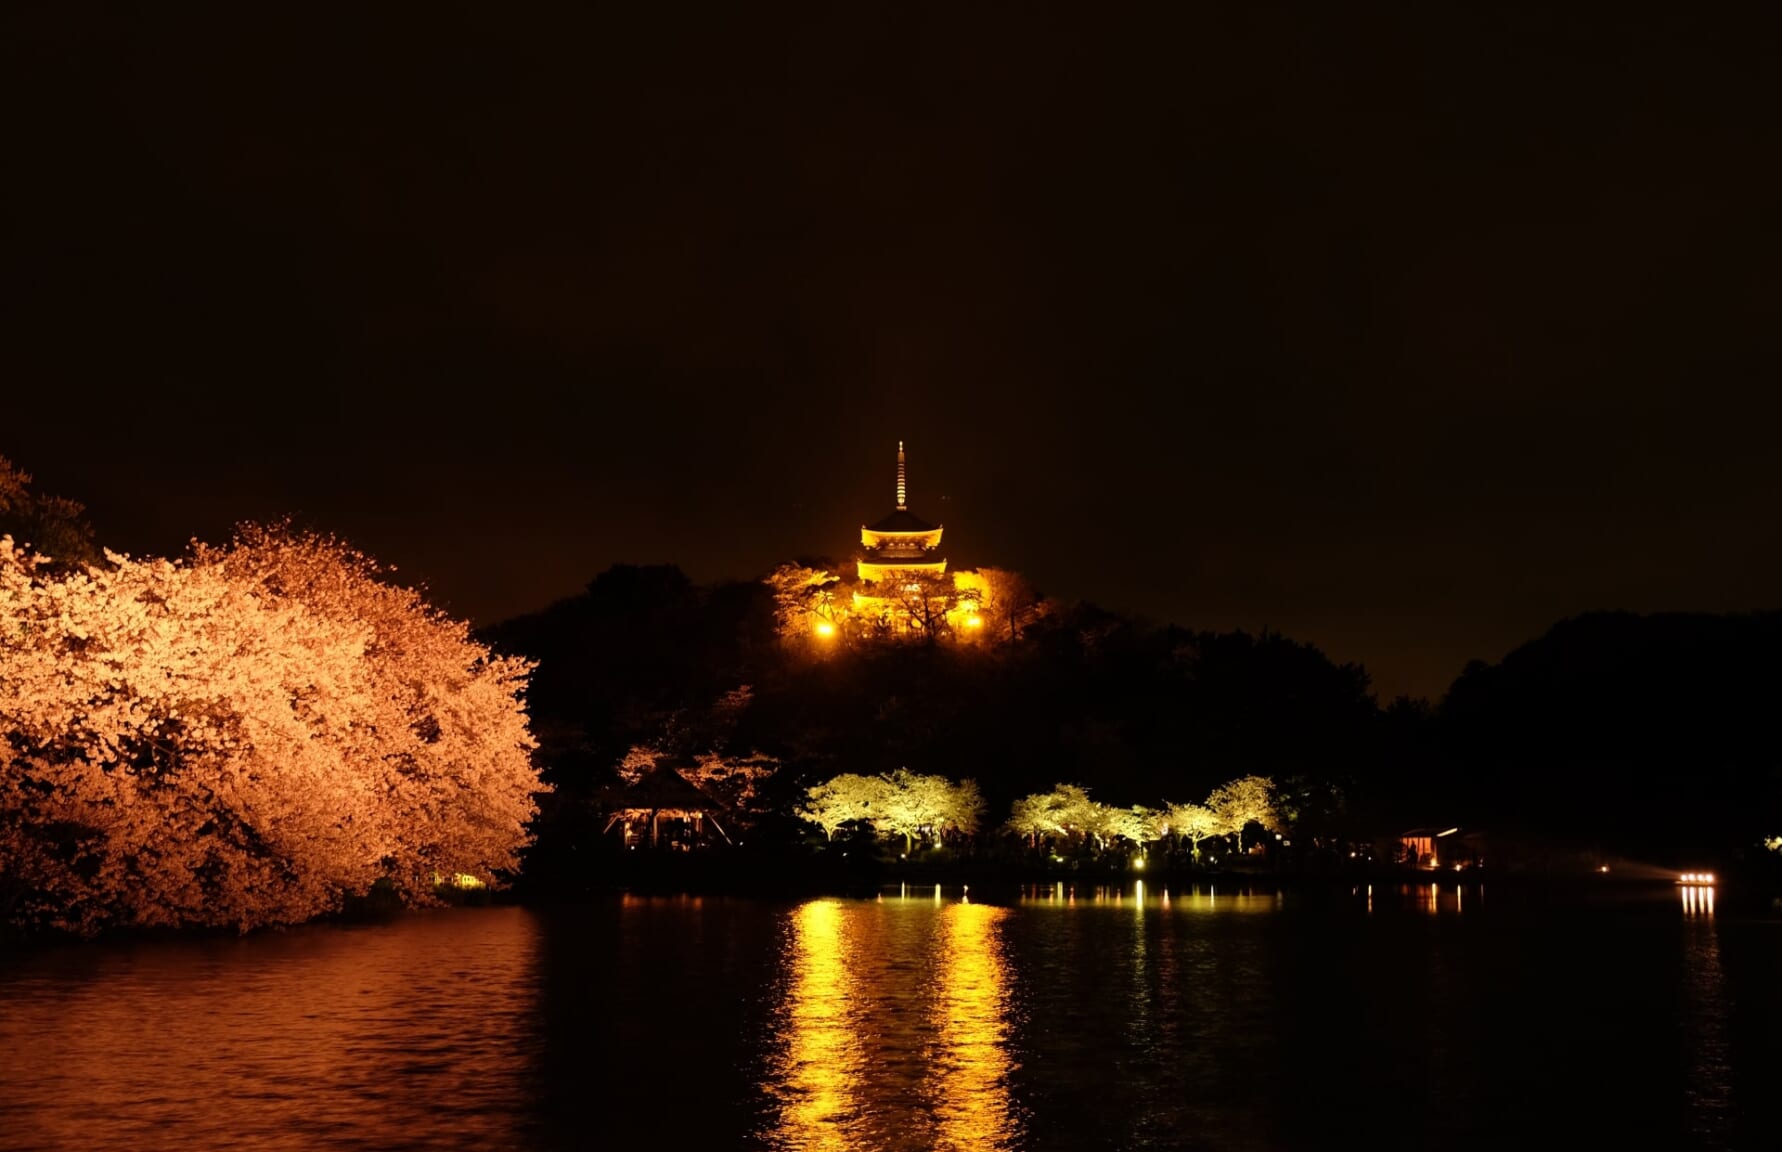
x: 664, y: 809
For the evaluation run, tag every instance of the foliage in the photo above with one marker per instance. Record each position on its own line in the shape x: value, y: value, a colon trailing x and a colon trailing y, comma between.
x: 637, y: 762
x: 1010, y: 605
x: 920, y: 603
x: 913, y: 804
x: 1194, y: 823
x: 245, y: 738
x: 1064, y: 811
x: 53, y: 528
x: 803, y: 598
x: 841, y: 801
x: 1068, y: 813
x: 1652, y: 733
x: 1139, y: 825
x: 734, y: 781
x: 901, y: 803
x: 1084, y: 695
x: 1245, y: 801
x: 814, y: 608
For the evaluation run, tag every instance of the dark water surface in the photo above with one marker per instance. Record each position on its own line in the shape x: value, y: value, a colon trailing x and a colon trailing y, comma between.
x: 1410, y: 1017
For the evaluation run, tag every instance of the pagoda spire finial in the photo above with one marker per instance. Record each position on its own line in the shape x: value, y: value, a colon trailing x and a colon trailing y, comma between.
x: 902, y: 506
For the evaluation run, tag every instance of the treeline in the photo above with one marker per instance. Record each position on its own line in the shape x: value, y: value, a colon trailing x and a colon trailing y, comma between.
x: 934, y: 810
x: 1614, y: 733
x: 1655, y: 734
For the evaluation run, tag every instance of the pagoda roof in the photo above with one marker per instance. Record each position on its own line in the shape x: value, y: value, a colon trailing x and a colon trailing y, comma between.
x: 902, y: 520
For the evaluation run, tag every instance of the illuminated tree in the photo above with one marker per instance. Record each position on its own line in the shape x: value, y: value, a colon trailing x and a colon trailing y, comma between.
x: 1064, y: 811
x: 920, y: 602
x: 841, y: 801
x: 637, y: 762
x: 1030, y: 817
x: 913, y: 804
x: 734, y: 780
x: 153, y: 714
x: 245, y: 738
x: 902, y: 803
x: 448, y: 739
x: 1138, y: 824
x: 967, y: 804
x: 1245, y: 801
x: 1194, y: 823
x: 805, y: 603
x: 1010, y: 604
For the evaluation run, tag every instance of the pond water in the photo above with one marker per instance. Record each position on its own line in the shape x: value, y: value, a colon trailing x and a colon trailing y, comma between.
x: 1067, y: 1018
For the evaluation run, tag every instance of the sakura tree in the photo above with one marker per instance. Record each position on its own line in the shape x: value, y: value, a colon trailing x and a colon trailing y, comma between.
x: 914, y: 805
x: 1138, y: 825
x: 1244, y: 801
x: 245, y: 737
x: 900, y: 803
x: 1194, y: 823
x: 842, y: 800
x: 1065, y: 811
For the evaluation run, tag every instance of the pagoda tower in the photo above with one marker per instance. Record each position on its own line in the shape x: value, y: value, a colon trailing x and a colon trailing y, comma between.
x: 902, y: 541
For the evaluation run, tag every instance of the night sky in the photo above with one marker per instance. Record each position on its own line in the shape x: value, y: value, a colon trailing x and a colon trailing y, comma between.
x: 1404, y: 334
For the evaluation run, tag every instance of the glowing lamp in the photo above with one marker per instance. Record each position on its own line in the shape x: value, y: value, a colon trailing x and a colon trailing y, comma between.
x: 825, y: 628
x: 974, y: 621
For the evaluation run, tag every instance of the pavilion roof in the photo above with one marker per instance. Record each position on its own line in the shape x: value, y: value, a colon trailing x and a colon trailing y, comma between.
x: 663, y: 787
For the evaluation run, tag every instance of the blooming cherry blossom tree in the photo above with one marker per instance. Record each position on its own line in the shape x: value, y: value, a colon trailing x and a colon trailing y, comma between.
x: 245, y: 737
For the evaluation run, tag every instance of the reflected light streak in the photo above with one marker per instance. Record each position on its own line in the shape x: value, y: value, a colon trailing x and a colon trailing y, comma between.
x: 969, y: 1075
x: 1706, y: 1035
x: 821, y: 1063
x: 1148, y: 898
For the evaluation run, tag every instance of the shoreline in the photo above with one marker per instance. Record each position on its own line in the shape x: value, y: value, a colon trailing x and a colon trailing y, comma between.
x: 695, y: 878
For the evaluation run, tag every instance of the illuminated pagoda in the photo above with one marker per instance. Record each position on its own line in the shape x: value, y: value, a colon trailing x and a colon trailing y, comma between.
x: 901, y: 542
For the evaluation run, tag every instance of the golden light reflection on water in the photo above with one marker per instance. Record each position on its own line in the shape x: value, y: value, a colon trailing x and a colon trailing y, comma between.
x: 895, y: 1027
x: 1140, y: 896
x: 821, y: 1060
x: 413, y: 1034
x: 1430, y: 898
x: 969, y: 1087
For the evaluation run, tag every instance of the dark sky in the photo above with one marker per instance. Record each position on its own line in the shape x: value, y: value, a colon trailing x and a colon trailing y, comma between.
x: 1403, y: 333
